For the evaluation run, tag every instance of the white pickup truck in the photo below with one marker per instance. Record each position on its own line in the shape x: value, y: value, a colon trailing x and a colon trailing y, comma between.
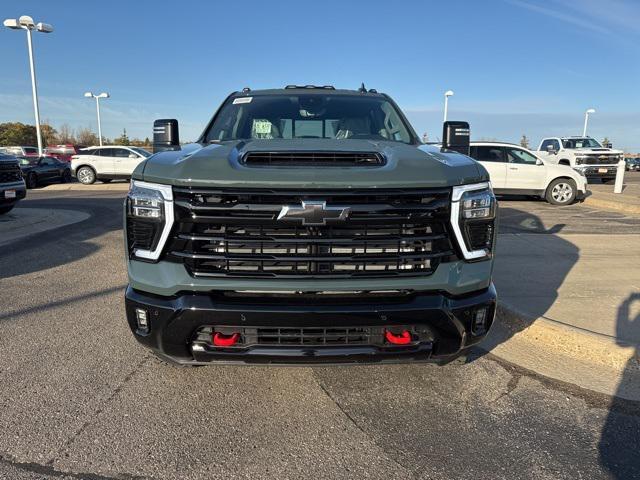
x: 584, y: 154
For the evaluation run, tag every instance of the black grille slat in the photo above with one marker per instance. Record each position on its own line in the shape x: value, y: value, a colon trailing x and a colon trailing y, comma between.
x: 313, y: 159
x: 237, y: 233
x: 10, y: 172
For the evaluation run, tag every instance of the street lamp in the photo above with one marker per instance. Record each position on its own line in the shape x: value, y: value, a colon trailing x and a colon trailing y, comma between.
x: 26, y: 23
x: 586, y: 120
x: 98, y: 97
x: 447, y: 94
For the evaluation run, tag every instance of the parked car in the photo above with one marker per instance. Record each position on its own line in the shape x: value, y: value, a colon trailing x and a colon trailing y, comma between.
x: 583, y: 154
x: 106, y: 163
x: 633, y: 164
x: 12, y: 187
x: 44, y: 170
x: 63, y: 152
x: 309, y: 225
x: 514, y: 170
x: 21, y: 151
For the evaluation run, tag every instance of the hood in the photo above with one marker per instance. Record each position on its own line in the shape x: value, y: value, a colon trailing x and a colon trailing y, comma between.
x: 597, y: 151
x: 407, y: 166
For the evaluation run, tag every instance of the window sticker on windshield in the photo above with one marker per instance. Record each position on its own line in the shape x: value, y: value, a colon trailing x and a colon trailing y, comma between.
x: 262, y: 127
x: 242, y: 100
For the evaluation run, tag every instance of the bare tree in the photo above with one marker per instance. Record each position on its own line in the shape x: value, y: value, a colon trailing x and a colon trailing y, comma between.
x: 87, y: 137
x: 65, y: 134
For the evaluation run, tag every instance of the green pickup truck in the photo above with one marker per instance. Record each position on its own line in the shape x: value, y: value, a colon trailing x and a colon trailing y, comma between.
x: 308, y: 225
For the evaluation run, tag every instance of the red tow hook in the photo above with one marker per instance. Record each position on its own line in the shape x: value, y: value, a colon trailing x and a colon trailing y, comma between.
x: 401, y: 339
x: 222, y: 340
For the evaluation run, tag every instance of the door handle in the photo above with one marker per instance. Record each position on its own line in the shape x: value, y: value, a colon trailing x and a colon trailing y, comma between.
x: 513, y: 168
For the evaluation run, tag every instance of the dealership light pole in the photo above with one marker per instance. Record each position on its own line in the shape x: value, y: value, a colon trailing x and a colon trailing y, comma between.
x: 447, y: 94
x: 26, y: 23
x: 98, y: 97
x: 586, y: 121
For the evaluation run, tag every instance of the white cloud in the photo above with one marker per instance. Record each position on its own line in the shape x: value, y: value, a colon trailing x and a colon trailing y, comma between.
x: 573, y: 18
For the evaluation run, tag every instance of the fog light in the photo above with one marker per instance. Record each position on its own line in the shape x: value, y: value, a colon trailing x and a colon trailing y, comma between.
x: 142, y: 319
x: 479, y: 323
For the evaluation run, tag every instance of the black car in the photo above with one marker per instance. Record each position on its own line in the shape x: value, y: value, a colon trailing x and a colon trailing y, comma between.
x: 44, y: 170
x: 633, y: 164
x: 12, y: 186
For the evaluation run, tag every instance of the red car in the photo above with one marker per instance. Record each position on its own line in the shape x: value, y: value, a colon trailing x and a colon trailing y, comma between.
x: 63, y: 152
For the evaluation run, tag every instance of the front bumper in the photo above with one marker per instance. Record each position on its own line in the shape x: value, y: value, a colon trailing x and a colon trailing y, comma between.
x: 20, y: 192
x: 598, y: 171
x: 445, y: 323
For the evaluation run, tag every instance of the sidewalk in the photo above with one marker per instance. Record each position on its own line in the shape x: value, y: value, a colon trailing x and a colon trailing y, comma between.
x: 98, y: 186
x: 571, y: 308
x: 23, y: 222
x: 602, y: 196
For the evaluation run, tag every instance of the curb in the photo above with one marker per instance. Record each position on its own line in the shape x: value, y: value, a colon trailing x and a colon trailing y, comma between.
x: 78, y: 187
x: 612, y: 205
x: 589, y: 360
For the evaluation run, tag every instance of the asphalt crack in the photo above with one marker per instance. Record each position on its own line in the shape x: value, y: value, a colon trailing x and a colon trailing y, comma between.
x: 100, y: 409
x: 410, y: 472
x: 52, y: 472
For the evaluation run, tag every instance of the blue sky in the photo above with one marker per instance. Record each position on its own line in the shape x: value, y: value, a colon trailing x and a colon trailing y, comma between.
x: 516, y: 66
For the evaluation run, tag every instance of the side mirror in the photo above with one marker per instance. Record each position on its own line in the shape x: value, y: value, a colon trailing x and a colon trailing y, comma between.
x: 165, y: 135
x: 133, y: 155
x: 456, y: 136
x: 539, y: 162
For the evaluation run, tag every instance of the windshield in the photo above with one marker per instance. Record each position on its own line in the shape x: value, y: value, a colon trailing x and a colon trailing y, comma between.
x: 580, y: 143
x: 340, y: 117
x: 141, y: 151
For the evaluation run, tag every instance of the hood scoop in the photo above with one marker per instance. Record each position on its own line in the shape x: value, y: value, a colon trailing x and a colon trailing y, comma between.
x: 313, y: 159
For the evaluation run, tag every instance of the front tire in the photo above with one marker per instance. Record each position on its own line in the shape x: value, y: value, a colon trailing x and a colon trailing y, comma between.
x: 32, y: 180
x: 4, y: 210
x: 86, y: 175
x: 562, y: 191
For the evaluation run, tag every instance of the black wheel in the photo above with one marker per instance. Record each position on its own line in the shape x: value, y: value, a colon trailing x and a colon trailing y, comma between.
x: 32, y: 180
x: 66, y: 176
x: 562, y: 191
x: 86, y: 175
x: 4, y: 210
x: 106, y: 180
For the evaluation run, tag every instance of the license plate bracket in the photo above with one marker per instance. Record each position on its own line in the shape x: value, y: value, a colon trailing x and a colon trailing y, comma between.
x: 9, y: 194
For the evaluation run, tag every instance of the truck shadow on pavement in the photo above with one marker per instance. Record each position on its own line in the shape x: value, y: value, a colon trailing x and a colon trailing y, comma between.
x: 65, y: 244
x: 531, y: 264
x: 620, y: 439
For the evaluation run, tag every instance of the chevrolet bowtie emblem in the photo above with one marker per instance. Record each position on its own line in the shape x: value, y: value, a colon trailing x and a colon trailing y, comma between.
x: 314, y: 213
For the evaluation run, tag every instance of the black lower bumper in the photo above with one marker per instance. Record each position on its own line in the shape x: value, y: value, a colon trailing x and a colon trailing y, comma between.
x: 11, y: 193
x: 442, y: 326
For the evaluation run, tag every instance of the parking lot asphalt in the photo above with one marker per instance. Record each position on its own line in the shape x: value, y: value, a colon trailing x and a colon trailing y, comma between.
x: 80, y: 399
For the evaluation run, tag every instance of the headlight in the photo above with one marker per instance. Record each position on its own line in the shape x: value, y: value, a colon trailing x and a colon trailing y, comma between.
x: 149, y: 211
x: 579, y: 160
x: 473, y: 214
